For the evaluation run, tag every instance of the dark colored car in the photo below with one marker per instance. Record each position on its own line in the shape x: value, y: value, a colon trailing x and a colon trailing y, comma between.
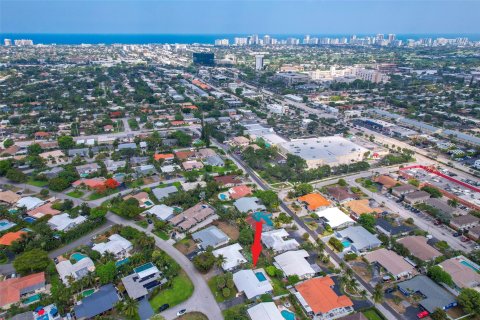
x: 149, y: 221
x: 457, y: 234
x: 390, y: 290
x: 163, y: 307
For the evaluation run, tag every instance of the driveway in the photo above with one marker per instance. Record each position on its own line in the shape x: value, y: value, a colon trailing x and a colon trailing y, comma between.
x: 202, y: 299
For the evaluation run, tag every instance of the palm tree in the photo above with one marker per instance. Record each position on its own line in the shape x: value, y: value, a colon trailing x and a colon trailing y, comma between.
x: 220, y: 260
x: 378, y: 293
x: 130, y: 308
x: 352, y: 285
x: 349, y: 272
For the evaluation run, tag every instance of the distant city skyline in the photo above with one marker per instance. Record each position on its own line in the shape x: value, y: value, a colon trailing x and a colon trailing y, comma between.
x: 240, y: 17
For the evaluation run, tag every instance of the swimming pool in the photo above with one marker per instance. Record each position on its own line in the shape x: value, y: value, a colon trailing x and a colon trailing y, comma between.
x: 77, y: 256
x: 259, y: 216
x: 287, y: 315
x: 148, y: 203
x: 346, y: 243
x: 222, y: 196
x: 471, y: 266
x: 32, y: 299
x: 260, y: 276
x: 122, y: 262
x: 29, y: 219
x: 87, y: 292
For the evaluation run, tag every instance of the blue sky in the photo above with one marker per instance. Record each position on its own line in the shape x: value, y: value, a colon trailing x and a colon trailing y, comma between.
x: 240, y: 16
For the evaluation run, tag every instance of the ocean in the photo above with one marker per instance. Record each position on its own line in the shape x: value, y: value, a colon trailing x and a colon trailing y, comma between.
x: 73, y: 39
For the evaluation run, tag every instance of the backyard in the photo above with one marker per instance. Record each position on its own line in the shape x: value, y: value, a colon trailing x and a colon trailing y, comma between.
x: 180, y: 290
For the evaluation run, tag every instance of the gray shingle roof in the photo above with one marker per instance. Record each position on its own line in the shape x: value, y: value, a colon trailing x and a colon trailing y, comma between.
x: 104, y: 299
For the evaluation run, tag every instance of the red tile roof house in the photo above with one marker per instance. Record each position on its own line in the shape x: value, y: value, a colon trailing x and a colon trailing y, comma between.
x: 185, y: 155
x: 239, y: 192
x: 14, y: 289
x: 90, y: 183
x: 108, y: 128
x: 41, y: 135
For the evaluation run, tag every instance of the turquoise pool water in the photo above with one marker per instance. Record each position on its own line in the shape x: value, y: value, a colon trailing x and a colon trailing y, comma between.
x: 222, y: 196
x: 148, y: 203
x: 77, y: 256
x: 346, y: 243
x: 87, y: 292
x: 287, y: 315
x: 466, y: 263
x: 122, y: 262
x: 32, y: 299
x: 3, y: 223
x: 260, y: 276
x: 259, y: 215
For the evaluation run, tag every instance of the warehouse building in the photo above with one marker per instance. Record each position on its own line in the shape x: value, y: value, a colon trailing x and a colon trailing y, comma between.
x: 331, y: 151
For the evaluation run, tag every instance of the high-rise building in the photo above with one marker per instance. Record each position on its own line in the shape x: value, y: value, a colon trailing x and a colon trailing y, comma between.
x: 23, y: 42
x: 7, y: 42
x: 391, y: 37
x: 222, y: 42
x: 267, y: 40
x: 306, y: 40
x: 204, y: 58
x: 241, y: 41
x: 258, y: 62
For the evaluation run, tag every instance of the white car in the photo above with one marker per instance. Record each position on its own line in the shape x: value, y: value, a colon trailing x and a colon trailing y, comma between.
x: 181, y: 312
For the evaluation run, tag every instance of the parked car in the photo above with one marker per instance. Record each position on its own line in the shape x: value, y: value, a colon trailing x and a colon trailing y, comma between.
x: 457, y: 234
x: 422, y: 314
x: 149, y: 221
x: 437, y: 222
x: 163, y: 307
x: 181, y: 312
x: 390, y: 290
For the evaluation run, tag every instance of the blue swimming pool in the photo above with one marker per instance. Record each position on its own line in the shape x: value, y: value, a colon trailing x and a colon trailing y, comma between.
x: 77, y: 256
x: 148, y: 203
x: 346, y: 243
x: 266, y: 217
x: 260, y: 276
x: 29, y: 219
x: 287, y: 315
x: 471, y: 266
x: 122, y: 262
x: 222, y: 196
x: 32, y: 299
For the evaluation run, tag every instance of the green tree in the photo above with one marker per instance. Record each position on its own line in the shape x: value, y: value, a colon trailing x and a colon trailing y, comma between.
x: 58, y: 184
x: 5, y: 165
x: 246, y: 236
x: 367, y: 221
x: 35, y: 260
x: 8, y: 143
x: 439, y: 275
x: 204, y: 261
x: 130, y: 308
x: 106, y: 272
x: 34, y: 149
x: 303, y: 189
x: 469, y: 300
x: 342, y: 182
x: 66, y: 142
x: 378, y: 293
x: 16, y: 175
x: 439, y: 314
x: 434, y: 192
x: 269, y: 199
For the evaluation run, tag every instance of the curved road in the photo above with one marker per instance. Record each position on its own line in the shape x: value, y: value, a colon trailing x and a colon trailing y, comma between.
x: 202, y: 299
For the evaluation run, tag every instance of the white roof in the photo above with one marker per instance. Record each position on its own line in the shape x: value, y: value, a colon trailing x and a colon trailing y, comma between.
x: 294, y: 263
x: 116, y: 245
x: 63, y: 221
x: 161, y: 211
x: 169, y: 168
x: 265, y: 311
x: 66, y: 269
x: 246, y: 281
x: 275, y: 240
x: 334, y: 216
x: 232, y: 255
x: 30, y: 202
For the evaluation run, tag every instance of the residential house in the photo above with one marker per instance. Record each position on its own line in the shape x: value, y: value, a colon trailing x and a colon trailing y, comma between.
x: 278, y: 240
x: 416, y: 197
x: 63, y: 222
x: 465, y: 222
x: 295, y: 263
x: 102, y: 300
x: 392, y: 229
x: 53, y: 172
x: 86, y: 169
x: 161, y: 211
x: 362, y: 206
x: 192, y: 165
x: 233, y: 256
x: 418, y: 247
x: 163, y: 156
x: 248, y: 282
x: 184, y: 155
x: 14, y: 289
x: 249, y: 204
x: 43, y: 210
x: 474, y: 233
x: 113, y: 166
x: 433, y: 296
x: 142, y: 198
x: 8, y: 238
x: 126, y: 146
x: 265, y: 311
x: 320, y: 301
x: 145, y: 170
x: 70, y: 272
x: 402, y: 190
x: 386, y: 182
x: 143, y: 280
x: 239, y: 141
x: 464, y: 272
x: 335, y: 218
x: 193, y: 216
x: 238, y: 192
x: 214, y: 161
x: 29, y: 203
x: 54, y: 157
x: 391, y: 262
x: 92, y: 183
x: 162, y: 193
x: 227, y: 181
x: 205, y: 153
x: 314, y: 201
x: 210, y: 237
x: 9, y: 197
x: 116, y: 245
x: 358, y: 239
x: 341, y: 194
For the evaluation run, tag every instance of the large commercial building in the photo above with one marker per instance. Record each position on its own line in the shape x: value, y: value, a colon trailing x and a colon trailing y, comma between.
x: 331, y: 151
x: 204, y: 58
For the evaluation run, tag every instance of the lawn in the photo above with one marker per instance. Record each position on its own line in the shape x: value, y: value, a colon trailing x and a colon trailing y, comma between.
x: 181, y: 290
x: 142, y: 223
x: 193, y: 316
x: 162, y: 235
x: 372, y: 314
x: 37, y: 183
x: 96, y: 195
x: 212, y: 284
x: 278, y: 287
x: 75, y: 194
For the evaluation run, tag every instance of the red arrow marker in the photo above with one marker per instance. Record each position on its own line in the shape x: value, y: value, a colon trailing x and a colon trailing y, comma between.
x: 257, y: 244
